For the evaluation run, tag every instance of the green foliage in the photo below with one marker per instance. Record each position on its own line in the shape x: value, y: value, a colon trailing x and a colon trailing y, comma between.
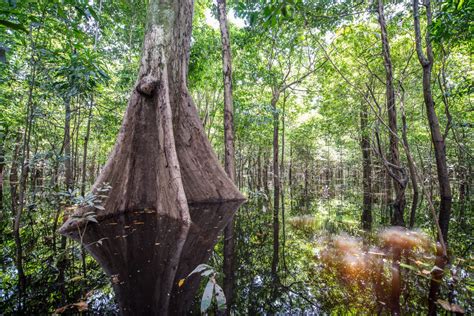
x: 454, y: 22
x: 325, y: 56
x: 212, y: 291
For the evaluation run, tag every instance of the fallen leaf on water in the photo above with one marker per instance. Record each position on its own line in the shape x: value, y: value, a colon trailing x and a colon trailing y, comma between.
x: 444, y: 304
x: 181, y: 282
x: 61, y: 310
x: 450, y: 307
x: 81, y: 306
x: 457, y: 309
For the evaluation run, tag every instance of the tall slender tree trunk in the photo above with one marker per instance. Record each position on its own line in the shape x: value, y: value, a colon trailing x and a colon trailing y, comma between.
x: 306, y: 189
x: 399, y: 204
x: 259, y: 170
x: 276, y: 187
x: 24, y: 170
x: 388, y: 195
x: 282, y: 188
x: 69, y: 184
x: 83, y: 177
x: 290, y: 178
x: 439, y: 145
x: 75, y: 145
x: 15, y: 204
x: 229, y: 155
x: 462, y: 172
x: 67, y: 145
x: 85, y: 149
x: 411, y: 163
x: 394, y: 167
x: 366, y: 169
x: 266, y: 188
x: 2, y: 165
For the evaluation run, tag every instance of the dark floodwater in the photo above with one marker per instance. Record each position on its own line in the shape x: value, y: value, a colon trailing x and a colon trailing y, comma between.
x: 144, y: 254
x: 328, y: 265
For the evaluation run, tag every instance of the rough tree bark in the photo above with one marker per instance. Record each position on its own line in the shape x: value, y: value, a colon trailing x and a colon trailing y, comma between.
x: 366, y: 169
x: 164, y: 188
x: 437, y: 138
x: 399, y: 204
x: 229, y: 155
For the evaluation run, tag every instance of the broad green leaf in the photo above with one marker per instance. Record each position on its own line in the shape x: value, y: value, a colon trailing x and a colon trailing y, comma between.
x: 13, y: 26
x: 200, y: 268
x: 407, y: 266
x: 207, y: 296
x: 220, y: 297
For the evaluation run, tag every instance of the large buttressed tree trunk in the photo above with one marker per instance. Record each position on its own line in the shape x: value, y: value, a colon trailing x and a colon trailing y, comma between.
x: 166, y: 196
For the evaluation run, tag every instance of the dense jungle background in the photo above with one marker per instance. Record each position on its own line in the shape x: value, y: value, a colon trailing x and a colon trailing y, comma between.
x: 353, y: 135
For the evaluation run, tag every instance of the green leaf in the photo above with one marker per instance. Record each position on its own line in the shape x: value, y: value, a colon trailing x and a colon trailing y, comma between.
x: 13, y: 26
x: 207, y: 296
x: 200, y: 268
x: 444, y: 304
x: 220, y: 297
x: 407, y: 266
x: 207, y: 272
x: 436, y: 268
x: 92, y: 219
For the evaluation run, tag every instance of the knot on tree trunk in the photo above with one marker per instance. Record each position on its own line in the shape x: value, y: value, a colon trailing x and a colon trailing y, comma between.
x: 147, y: 85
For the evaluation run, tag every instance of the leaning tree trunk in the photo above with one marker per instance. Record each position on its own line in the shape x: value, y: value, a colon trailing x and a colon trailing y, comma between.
x: 164, y: 188
x: 399, y: 204
x: 229, y: 155
x: 439, y: 151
